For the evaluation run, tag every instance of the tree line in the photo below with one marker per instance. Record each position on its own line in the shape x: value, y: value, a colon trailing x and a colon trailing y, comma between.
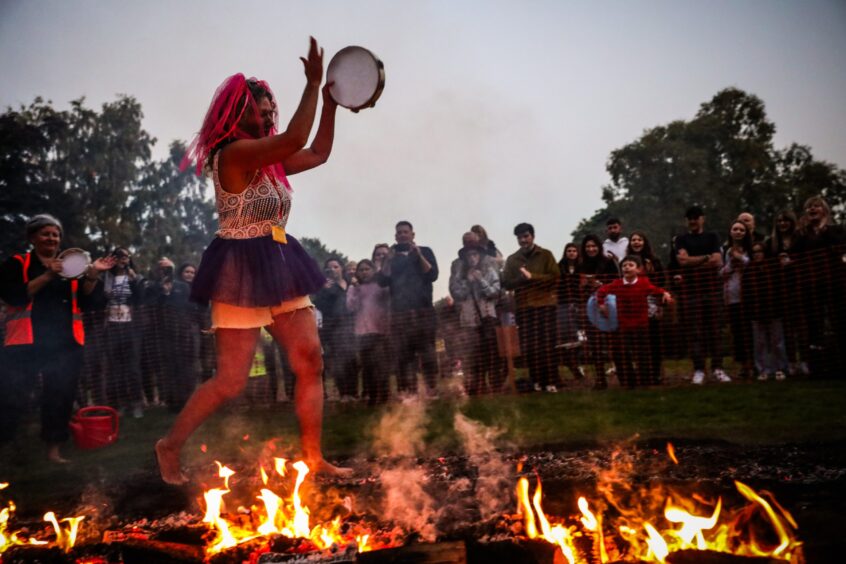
x: 723, y: 160
x: 94, y: 170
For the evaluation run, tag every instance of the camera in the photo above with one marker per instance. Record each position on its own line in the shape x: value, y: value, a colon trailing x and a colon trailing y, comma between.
x: 402, y: 247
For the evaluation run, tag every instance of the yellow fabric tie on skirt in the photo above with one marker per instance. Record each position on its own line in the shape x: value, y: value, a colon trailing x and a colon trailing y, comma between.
x: 279, y: 234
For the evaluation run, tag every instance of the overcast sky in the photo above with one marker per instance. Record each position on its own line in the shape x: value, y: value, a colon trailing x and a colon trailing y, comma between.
x: 493, y: 112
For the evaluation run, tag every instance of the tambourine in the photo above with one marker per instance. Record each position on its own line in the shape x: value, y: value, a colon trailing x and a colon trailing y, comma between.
x: 358, y: 77
x: 601, y: 322
x: 74, y: 263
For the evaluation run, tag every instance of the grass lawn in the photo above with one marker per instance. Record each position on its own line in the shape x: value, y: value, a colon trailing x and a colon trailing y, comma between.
x: 745, y: 413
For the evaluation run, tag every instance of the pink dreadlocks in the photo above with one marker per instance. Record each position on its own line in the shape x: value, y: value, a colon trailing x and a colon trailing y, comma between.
x: 223, y: 122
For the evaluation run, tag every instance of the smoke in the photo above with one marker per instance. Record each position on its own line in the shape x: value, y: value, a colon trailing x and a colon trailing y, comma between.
x: 416, y: 502
x: 406, y: 502
x: 400, y: 431
x: 98, y: 510
x: 495, y: 474
x: 399, y: 436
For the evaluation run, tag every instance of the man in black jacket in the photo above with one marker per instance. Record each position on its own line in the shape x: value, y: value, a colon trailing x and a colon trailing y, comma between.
x: 409, y: 272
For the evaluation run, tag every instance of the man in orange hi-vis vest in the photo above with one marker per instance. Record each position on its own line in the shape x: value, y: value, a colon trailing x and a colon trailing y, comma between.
x: 44, y: 333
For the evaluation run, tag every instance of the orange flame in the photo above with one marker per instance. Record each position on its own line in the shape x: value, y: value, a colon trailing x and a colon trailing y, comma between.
x: 65, y: 536
x: 652, y: 537
x: 672, y: 452
x: 275, y: 516
x: 224, y: 473
x: 554, y: 534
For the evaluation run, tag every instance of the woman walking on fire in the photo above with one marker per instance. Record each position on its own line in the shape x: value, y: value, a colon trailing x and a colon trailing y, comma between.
x: 253, y: 272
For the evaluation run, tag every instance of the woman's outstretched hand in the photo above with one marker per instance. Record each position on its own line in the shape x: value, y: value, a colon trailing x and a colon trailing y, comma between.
x: 314, y: 63
x: 103, y: 264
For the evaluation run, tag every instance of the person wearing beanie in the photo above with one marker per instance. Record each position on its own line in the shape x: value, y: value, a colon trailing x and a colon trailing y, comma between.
x: 44, y: 333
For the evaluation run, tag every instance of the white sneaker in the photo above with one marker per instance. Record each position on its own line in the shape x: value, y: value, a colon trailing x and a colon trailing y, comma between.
x: 537, y: 387
x: 763, y: 377
x: 721, y: 376
x: 698, y: 378
x: 552, y: 389
x: 780, y: 376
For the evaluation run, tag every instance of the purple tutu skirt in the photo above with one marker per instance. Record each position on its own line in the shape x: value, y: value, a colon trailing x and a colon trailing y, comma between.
x: 255, y: 272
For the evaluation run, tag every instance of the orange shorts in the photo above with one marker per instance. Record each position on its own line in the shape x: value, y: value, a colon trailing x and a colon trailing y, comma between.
x: 227, y: 316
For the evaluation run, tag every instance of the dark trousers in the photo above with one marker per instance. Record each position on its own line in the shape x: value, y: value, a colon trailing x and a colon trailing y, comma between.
x: 413, y: 334
x: 632, y: 356
x: 702, y: 320
x: 94, y: 376
x: 185, y: 362
x: 374, y: 356
x: 339, y: 360
x: 59, y: 369
x: 483, y: 369
x: 123, y: 369
x: 538, y: 332
x: 825, y: 312
x: 741, y: 333
x: 568, y: 333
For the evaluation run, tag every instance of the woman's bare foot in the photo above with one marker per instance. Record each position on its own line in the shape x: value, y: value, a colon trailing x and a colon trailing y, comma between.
x: 53, y: 455
x: 169, y: 468
x: 323, y: 468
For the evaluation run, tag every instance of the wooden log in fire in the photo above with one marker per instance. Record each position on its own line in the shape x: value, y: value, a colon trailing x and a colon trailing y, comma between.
x: 143, y: 551
x: 514, y: 552
x: 710, y: 557
x: 453, y: 552
x: 29, y: 553
x: 340, y: 557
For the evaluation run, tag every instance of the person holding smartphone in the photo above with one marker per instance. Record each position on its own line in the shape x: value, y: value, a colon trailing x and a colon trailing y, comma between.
x: 409, y: 271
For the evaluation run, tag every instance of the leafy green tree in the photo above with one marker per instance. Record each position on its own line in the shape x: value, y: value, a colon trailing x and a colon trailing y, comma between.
x: 800, y: 176
x: 174, y: 217
x: 31, y: 142
x: 93, y: 170
x: 723, y: 160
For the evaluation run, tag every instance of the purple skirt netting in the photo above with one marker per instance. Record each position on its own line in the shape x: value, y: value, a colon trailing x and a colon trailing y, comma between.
x: 255, y: 272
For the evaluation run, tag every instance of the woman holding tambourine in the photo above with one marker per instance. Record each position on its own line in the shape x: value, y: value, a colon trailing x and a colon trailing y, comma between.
x: 45, y: 292
x: 254, y: 273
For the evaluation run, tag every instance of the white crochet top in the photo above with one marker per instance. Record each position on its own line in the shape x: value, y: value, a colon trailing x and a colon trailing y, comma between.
x: 253, y: 212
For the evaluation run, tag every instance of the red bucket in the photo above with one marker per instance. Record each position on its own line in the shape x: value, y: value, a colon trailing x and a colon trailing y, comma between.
x: 94, y: 427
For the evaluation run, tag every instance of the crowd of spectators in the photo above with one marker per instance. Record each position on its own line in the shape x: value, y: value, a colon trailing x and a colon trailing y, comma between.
x: 773, y: 301
x: 147, y: 344
x: 776, y: 299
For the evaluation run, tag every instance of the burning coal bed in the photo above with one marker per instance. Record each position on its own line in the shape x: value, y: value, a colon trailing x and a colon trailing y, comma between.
x: 643, y: 503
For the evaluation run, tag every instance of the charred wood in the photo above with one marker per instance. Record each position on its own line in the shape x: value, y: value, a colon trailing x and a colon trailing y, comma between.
x: 710, y: 557
x: 143, y: 551
x: 454, y: 552
x: 39, y: 554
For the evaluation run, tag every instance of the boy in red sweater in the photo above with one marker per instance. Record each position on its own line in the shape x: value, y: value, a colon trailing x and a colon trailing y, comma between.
x: 630, y: 344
